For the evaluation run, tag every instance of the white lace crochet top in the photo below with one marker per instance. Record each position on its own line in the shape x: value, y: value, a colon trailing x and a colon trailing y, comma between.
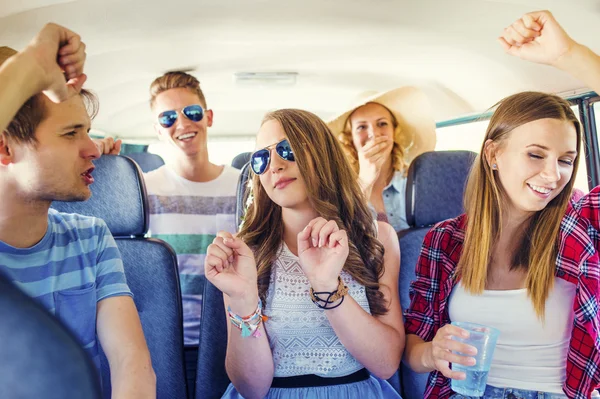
x: 302, y: 340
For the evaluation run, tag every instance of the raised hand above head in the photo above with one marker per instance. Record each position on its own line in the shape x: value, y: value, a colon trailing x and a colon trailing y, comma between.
x: 322, y: 250
x: 536, y: 37
x: 59, y: 55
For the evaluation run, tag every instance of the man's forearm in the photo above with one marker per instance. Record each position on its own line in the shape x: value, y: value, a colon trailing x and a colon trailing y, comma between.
x: 18, y: 82
x: 133, y: 378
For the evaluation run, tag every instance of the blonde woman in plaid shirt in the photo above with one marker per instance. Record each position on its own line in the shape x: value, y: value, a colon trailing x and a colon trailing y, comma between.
x: 535, y: 268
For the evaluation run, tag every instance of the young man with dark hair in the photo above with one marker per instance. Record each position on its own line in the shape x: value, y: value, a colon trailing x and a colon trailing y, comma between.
x: 69, y: 263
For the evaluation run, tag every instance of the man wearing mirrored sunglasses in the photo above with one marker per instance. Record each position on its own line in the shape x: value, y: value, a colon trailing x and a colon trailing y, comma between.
x: 190, y: 198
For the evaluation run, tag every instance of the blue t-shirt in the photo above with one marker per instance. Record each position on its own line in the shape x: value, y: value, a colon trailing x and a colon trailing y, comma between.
x: 74, y: 266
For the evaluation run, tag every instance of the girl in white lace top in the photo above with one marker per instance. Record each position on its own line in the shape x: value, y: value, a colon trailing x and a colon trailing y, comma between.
x: 325, y: 273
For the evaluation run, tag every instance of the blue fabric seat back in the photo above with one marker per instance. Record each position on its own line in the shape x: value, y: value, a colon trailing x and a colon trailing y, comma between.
x: 146, y: 160
x: 119, y: 197
x: 211, y: 378
x: 434, y: 192
x: 40, y: 358
x: 435, y: 186
x: 151, y: 271
x: 413, y: 384
x: 240, y: 160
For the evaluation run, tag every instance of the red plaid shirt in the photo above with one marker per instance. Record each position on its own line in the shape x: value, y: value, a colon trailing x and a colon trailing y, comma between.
x: 578, y: 262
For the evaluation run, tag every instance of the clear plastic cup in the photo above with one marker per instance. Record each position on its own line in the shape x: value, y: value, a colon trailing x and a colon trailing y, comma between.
x: 483, y: 338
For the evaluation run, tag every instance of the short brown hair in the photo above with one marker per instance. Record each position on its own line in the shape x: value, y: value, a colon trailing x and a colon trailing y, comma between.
x: 32, y: 113
x: 175, y: 80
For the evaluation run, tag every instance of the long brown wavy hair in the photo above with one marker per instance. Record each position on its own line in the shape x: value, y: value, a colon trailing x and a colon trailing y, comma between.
x: 333, y: 192
x: 398, y: 150
x: 485, y: 200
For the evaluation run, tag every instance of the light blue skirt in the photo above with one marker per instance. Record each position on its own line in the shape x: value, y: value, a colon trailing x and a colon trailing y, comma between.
x: 373, y: 388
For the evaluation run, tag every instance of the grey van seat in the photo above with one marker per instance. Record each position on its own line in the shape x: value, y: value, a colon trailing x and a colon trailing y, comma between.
x: 146, y: 160
x: 240, y: 160
x: 434, y: 192
x: 119, y: 198
x: 40, y: 357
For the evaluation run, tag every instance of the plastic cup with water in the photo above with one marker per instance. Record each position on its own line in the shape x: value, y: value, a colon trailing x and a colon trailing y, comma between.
x: 483, y: 338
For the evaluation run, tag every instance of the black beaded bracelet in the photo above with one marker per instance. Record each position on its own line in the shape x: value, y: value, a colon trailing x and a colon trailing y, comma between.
x: 327, y: 303
x: 332, y: 297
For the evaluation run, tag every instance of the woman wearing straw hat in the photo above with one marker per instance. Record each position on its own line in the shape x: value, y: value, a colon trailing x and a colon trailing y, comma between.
x: 381, y: 133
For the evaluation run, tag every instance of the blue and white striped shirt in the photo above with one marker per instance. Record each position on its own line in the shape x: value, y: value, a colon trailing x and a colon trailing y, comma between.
x: 74, y: 266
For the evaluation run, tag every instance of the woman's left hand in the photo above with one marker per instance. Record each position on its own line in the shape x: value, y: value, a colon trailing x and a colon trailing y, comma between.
x: 322, y: 250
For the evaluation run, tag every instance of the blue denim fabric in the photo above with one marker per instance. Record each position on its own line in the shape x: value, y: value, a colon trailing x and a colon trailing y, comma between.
x: 512, y: 393
x: 394, y: 201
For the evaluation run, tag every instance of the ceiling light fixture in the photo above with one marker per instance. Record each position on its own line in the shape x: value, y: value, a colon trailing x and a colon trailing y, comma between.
x: 265, y: 78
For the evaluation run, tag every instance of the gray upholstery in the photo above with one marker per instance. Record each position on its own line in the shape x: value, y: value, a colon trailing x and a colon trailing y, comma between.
x: 40, y: 358
x: 211, y: 377
x: 435, y: 188
x: 240, y: 160
x: 150, y: 267
x: 413, y: 384
x: 118, y: 197
x: 146, y: 160
x: 152, y: 276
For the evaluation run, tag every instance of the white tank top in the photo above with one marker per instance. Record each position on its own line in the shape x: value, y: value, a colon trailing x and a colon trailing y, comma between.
x: 529, y: 354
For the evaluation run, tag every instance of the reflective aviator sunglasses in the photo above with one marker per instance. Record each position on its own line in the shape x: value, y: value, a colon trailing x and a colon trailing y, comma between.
x: 259, y: 160
x: 193, y: 112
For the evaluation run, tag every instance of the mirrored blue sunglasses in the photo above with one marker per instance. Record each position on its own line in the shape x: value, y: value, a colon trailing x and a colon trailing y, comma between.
x: 259, y: 160
x: 193, y: 112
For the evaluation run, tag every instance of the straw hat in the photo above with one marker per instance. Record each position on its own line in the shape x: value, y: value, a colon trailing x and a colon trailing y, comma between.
x: 411, y: 109
x: 6, y: 53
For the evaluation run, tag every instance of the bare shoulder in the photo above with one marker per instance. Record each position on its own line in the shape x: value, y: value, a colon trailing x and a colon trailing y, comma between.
x: 389, y: 239
x: 387, y: 236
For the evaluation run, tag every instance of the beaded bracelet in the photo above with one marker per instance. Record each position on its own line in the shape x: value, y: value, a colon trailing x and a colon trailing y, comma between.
x: 249, y: 324
x: 332, y: 297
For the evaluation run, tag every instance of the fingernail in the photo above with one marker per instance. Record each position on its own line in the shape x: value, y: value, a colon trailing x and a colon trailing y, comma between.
x: 314, y: 242
x: 227, y: 239
x: 472, y: 361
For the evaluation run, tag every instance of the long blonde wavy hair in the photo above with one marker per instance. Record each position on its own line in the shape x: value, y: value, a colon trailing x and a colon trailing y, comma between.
x: 333, y: 192
x: 398, y: 150
x: 485, y: 199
